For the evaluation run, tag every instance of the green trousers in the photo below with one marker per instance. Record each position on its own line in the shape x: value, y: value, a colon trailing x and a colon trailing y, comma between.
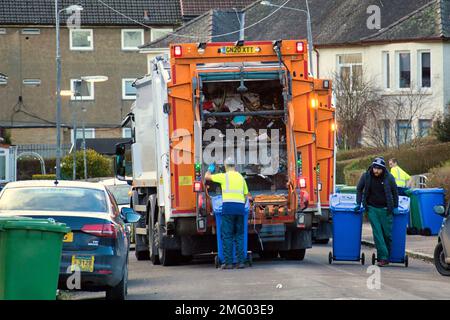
x: 381, y: 223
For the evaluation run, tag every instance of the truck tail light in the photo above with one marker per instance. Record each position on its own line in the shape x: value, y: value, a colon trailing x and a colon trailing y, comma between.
x: 201, y: 200
x: 300, y: 47
x: 107, y: 230
x: 302, y: 182
x: 177, y: 51
x: 198, y: 186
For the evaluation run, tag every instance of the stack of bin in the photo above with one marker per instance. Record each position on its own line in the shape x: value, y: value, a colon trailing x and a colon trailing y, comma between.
x: 30, y: 256
x: 216, y: 202
x: 347, y: 229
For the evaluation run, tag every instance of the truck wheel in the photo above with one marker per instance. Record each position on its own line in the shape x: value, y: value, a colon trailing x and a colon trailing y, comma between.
x: 169, y: 257
x: 439, y: 260
x: 153, y: 242
x: 296, y: 254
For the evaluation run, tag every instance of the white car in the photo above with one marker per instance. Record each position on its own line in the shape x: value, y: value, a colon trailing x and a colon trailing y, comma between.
x: 120, y: 190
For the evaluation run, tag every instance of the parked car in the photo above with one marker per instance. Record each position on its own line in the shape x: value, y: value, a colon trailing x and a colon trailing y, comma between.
x: 121, y: 191
x: 98, y: 243
x: 442, y: 250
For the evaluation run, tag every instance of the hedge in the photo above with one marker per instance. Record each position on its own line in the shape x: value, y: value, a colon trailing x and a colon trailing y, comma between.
x: 415, y: 161
x: 97, y: 165
x: 440, y: 178
x: 43, y: 177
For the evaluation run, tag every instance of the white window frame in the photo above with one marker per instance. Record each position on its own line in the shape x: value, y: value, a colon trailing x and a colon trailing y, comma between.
x: 5, y: 153
x: 153, y: 38
x: 2, y: 30
x: 397, y: 68
x: 72, y: 133
x: 124, y: 96
x: 31, y: 31
x: 419, y: 69
x: 387, y: 70
x: 125, y: 48
x: 82, y: 98
x: 124, y: 130
x: 348, y: 65
x: 73, y: 48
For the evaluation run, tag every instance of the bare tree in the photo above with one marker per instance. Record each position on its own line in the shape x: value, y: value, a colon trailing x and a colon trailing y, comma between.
x: 356, y: 97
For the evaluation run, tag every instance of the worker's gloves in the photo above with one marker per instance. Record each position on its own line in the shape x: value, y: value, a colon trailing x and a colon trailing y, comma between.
x: 212, y: 168
x: 357, y: 208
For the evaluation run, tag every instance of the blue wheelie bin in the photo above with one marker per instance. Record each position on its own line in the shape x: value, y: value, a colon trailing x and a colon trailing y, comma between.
x: 217, y: 209
x: 347, y: 229
x: 428, y: 198
x: 399, y: 224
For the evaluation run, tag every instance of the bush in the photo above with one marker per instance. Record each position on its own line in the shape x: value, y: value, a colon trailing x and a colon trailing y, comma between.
x: 356, y: 153
x: 440, y: 178
x: 352, y: 176
x: 441, y: 128
x: 97, y: 165
x: 43, y: 177
x: 340, y: 166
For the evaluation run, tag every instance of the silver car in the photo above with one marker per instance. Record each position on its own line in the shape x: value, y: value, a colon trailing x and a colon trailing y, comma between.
x: 442, y: 250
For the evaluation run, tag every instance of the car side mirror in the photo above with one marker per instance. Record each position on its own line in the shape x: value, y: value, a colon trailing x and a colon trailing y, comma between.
x: 130, y: 216
x: 440, y: 210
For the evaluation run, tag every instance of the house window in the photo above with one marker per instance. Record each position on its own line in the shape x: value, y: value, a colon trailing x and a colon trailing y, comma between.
x: 384, y: 127
x: 425, y: 127
x: 2, y: 31
x: 30, y: 31
x: 31, y: 82
x: 159, y: 33
x: 404, y: 131
x: 350, y: 68
x: 404, y: 68
x: 81, y: 39
x: 132, y: 39
x: 386, y: 70
x: 89, y: 133
x: 126, y: 132
x: 128, y: 91
x: 81, y: 90
x: 3, y: 81
x: 425, y: 69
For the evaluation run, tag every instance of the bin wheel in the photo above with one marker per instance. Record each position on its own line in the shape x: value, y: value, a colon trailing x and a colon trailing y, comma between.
x: 374, y: 258
x: 250, y: 259
x: 216, y: 261
x: 363, y: 258
x: 330, y: 257
x: 406, y: 261
x: 426, y: 232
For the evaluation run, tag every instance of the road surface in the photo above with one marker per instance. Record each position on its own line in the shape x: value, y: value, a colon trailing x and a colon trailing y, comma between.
x: 312, y: 278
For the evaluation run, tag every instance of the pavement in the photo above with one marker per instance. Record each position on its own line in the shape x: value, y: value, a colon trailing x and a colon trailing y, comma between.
x: 279, y: 279
x: 419, y: 247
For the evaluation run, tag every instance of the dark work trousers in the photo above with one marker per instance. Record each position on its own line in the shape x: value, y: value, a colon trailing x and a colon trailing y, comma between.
x: 233, y: 234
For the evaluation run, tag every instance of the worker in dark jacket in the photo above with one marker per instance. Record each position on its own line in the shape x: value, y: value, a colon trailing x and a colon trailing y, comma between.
x: 377, y: 192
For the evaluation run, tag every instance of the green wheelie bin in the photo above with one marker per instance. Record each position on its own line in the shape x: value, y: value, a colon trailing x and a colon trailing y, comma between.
x: 348, y: 190
x: 30, y: 257
x: 415, y: 224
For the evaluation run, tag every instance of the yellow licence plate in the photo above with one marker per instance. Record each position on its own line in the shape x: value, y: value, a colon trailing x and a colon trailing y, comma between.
x: 84, y: 263
x: 239, y: 50
x: 68, y: 237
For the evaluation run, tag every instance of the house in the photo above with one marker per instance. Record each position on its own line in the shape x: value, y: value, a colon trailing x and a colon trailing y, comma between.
x: 193, y: 8
x: 402, y: 46
x: 105, y: 42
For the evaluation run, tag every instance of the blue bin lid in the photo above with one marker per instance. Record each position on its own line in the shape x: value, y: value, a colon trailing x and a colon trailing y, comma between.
x: 216, y: 202
x: 428, y: 190
x: 343, y: 202
x: 403, y: 205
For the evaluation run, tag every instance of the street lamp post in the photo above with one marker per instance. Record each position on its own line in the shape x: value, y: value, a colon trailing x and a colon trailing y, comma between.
x: 308, y: 26
x: 58, y: 85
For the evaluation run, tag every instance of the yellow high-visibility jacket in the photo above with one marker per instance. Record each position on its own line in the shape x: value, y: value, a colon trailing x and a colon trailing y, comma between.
x: 234, y: 187
x: 401, y: 177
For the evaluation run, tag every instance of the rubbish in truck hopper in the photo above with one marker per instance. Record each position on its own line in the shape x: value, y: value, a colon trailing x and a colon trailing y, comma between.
x: 239, y: 120
x: 234, y: 103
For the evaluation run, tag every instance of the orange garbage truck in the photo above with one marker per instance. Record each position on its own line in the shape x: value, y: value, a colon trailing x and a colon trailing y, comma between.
x: 253, y: 100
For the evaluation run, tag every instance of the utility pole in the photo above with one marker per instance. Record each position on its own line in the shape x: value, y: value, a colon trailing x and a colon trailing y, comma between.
x: 58, y: 97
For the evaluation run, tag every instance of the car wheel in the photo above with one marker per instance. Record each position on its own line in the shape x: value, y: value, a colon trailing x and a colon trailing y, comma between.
x: 439, y: 260
x: 119, y: 292
x: 169, y: 257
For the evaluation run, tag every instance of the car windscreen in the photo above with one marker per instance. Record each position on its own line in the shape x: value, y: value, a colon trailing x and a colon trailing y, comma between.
x: 54, y: 199
x: 120, y: 192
